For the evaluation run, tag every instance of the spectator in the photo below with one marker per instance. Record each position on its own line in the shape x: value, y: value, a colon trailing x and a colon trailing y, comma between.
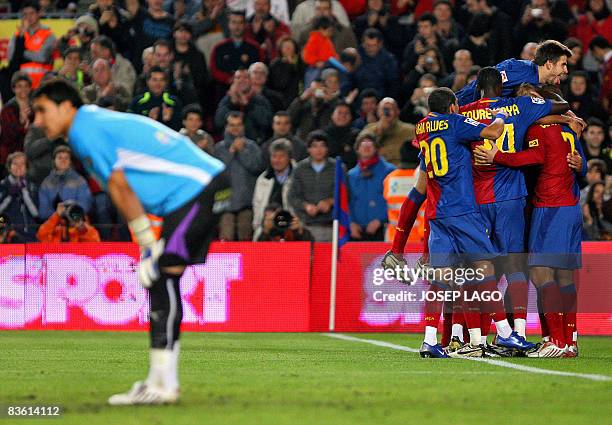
x: 593, y: 137
x: 156, y: 103
x: 538, y: 23
x: 313, y: 109
x: 63, y: 184
x: 71, y: 68
x: 16, y: 116
x: 581, y: 99
x: 378, y: 16
x: 255, y: 109
x: 416, y: 108
x: 574, y: 63
x: 342, y: 135
x: 378, y: 69
x: 39, y: 151
x: 462, y: 63
x: 189, y: 59
x: 479, y: 40
x: 123, y: 72
x: 113, y: 22
x: 7, y: 234
x: 265, y: 29
x: 368, y: 208
x: 192, y: 128
x: 258, y: 73
x: 103, y: 86
x: 448, y: 30
x: 31, y: 47
x: 319, y: 47
x: 307, y: 10
x: 342, y: 34
x: 19, y: 197
x: 429, y: 62
x: 312, y: 190
x: 148, y: 26
x: 595, y: 21
x: 281, y: 129
x: 83, y: 33
x: 597, y: 222
x: 210, y: 26
x: 67, y: 224
x: 280, y: 225
x: 287, y: 71
x: 596, y: 172
x: 602, y: 51
x: 242, y: 157
x: 147, y: 60
x: 495, y: 22
x: 426, y: 37
x: 390, y: 132
x: 368, y: 100
x: 528, y: 52
x: 233, y: 53
x: 272, y: 186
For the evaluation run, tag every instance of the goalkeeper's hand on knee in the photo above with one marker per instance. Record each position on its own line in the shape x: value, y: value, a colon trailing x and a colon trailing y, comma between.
x: 150, y: 250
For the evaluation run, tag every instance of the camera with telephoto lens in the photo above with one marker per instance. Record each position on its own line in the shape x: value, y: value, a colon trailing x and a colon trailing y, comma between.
x: 73, y: 212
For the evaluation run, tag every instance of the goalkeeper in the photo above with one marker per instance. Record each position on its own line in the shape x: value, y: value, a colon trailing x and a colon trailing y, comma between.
x: 146, y: 168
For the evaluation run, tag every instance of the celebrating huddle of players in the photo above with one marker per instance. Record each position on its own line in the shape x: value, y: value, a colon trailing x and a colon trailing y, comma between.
x: 472, y: 176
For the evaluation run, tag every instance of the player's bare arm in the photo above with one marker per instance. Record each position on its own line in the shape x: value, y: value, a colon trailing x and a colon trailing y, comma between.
x: 494, y: 130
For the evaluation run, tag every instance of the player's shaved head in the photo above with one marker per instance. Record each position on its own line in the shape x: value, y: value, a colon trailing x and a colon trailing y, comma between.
x: 440, y: 100
x: 489, y: 82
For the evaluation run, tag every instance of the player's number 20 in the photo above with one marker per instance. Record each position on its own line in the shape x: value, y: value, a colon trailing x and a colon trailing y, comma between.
x: 435, y: 154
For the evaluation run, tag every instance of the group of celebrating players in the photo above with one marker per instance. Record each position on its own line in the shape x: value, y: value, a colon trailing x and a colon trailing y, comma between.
x: 476, y: 157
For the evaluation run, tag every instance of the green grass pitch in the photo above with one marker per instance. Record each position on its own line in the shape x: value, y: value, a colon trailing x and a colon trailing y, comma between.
x: 297, y: 379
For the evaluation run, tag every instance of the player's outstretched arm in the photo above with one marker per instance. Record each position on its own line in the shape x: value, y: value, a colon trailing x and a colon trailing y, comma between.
x: 532, y: 156
x: 494, y: 130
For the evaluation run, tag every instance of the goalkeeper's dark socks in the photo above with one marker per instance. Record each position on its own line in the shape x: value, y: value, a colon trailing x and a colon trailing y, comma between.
x: 552, y: 307
x: 569, y: 298
x: 407, y: 217
x: 518, y: 289
x: 433, y: 310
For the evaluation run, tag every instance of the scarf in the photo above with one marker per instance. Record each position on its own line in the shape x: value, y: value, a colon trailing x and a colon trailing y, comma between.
x: 365, y: 165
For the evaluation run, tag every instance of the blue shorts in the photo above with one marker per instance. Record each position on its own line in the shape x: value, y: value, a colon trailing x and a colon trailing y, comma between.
x: 555, y: 237
x: 506, y: 221
x: 464, y: 238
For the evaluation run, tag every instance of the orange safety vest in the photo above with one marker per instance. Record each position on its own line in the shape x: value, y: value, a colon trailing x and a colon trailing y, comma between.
x: 34, y: 42
x: 396, y: 187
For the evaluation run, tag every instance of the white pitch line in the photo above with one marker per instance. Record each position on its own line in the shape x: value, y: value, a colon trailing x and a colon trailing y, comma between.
x: 500, y: 363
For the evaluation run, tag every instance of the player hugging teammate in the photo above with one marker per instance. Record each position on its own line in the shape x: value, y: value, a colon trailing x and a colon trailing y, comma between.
x: 491, y: 190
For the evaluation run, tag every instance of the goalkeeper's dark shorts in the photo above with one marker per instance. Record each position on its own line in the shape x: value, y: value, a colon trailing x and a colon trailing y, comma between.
x: 189, y: 230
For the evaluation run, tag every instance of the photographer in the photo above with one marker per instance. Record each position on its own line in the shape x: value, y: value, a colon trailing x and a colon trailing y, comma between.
x: 67, y: 224
x: 280, y: 225
x: 7, y: 234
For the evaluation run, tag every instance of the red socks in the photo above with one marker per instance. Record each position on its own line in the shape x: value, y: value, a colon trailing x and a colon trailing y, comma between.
x: 518, y: 290
x: 433, y: 309
x: 552, y: 307
x: 569, y: 300
x: 407, y: 217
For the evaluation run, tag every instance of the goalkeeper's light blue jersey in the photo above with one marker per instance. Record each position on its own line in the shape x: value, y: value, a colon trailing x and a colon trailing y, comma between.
x: 164, y: 169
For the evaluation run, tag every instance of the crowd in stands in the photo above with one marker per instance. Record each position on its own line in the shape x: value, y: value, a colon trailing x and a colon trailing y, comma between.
x: 277, y: 90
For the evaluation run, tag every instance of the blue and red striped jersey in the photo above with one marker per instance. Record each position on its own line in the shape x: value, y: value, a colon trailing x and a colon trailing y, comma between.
x: 444, y: 140
x: 493, y: 183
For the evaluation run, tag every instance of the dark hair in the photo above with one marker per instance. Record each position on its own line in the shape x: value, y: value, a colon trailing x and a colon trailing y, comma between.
x: 479, y: 25
x: 20, y: 76
x: 373, y: 33
x: 600, y: 42
x: 192, y: 108
x: 282, y: 114
x: 59, y: 90
x: 446, y: 2
x: 234, y: 114
x: 428, y: 17
x: 349, y: 55
x: 322, y: 22
x: 550, y: 50
x: 572, y: 42
x: 598, y: 165
x: 488, y: 78
x: 317, y: 136
x: 105, y: 42
x: 72, y: 49
x: 156, y: 69
x: 595, y: 122
x: 366, y: 136
x: 107, y: 102
x: 369, y: 92
x: 34, y: 4
x: 474, y: 70
x: 236, y: 13
x: 342, y: 104
x: 440, y: 100
x: 183, y: 25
